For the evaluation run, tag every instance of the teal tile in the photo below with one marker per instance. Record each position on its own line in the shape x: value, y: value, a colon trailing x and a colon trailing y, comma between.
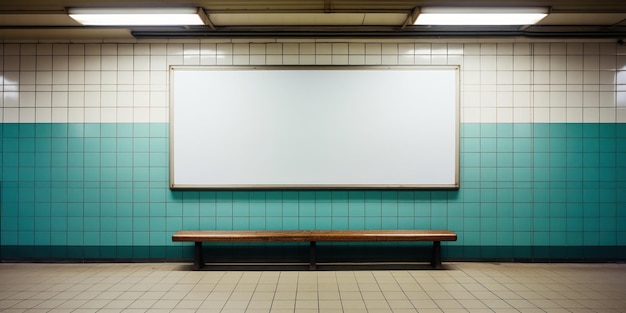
x: 141, y: 130
x: 159, y: 129
x: 92, y: 130
x: 10, y: 130
x: 124, y: 144
x: 469, y: 159
x: 59, y: 145
x: 470, y: 145
x: 488, y: 159
x: 26, y: 130
x: 488, y: 130
x: 541, y: 130
x: 607, y: 145
x: 488, y: 145
x: 141, y: 145
x: 574, y: 129
x: 76, y: 130
x: 470, y: 130
x: 108, y: 130
x: 124, y: 130
x: 159, y: 144
x: 522, y: 130
x: 10, y: 145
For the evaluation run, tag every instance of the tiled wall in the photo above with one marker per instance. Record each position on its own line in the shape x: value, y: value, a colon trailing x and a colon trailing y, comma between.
x: 84, y: 154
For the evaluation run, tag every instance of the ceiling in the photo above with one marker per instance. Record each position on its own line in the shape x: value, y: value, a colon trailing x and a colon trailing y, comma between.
x: 46, y: 20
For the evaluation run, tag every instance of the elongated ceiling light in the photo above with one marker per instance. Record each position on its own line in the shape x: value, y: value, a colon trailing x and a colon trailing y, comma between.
x: 137, y: 16
x: 480, y: 16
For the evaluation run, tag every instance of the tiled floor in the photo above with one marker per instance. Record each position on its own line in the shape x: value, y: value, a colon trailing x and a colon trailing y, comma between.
x: 462, y: 287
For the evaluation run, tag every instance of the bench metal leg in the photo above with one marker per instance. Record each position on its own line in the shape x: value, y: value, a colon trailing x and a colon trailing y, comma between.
x: 436, y: 260
x: 312, y: 261
x: 198, y: 260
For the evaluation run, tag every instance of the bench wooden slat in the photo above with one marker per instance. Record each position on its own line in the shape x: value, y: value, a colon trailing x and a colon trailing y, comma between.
x: 312, y: 235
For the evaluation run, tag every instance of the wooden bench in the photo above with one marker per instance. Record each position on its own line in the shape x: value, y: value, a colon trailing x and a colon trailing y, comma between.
x: 312, y: 236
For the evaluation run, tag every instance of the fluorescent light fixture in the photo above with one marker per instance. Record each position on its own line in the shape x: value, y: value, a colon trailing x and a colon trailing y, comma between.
x: 480, y: 16
x: 137, y: 16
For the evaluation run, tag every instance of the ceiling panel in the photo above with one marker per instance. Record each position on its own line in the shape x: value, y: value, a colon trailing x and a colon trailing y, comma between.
x: 46, y: 19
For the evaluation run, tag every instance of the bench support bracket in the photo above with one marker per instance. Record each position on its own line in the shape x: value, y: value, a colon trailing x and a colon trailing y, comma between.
x: 198, y: 260
x: 436, y: 259
x: 312, y: 260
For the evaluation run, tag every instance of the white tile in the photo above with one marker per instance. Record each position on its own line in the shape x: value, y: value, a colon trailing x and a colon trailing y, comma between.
x: 389, y: 48
x: 125, y: 77
x: 208, y: 59
x: 191, y: 48
x: 124, y: 99
x: 125, y: 115
x: 522, y: 115
x: 125, y: 49
x: 574, y: 100
x: 521, y: 48
x: 373, y: 48
x: 326, y: 48
x: 108, y: 49
x: 558, y: 77
x: 439, y: 59
x: 241, y: 59
x: 522, y: 63
x: 141, y: 49
x: 141, y: 99
x: 159, y: 115
x: 326, y: 59
x: 108, y: 115
x: 257, y: 48
x: 541, y: 63
x: 25, y: 63
x: 373, y: 59
x: 125, y: 62
x: 591, y: 115
x: 192, y: 59
x: 141, y: 77
x: 257, y: 59
x: 59, y: 115
x: 541, y: 48
x: 356, y: 49
x: 108, y: 77
x: 141, y: 63
x: 504, y: 115
x: 25, y: 115
x: 422, y: 48
x: 440, y: 48
x: 28, y: 78
x: 10, y: 115
x: 574, y: 48
x: 59, y: 99
x: 291, y: 48
x: 274, y: 48
x: 76, y: 63
x: 620, y: 116
x: 423, y: 59
x: 504, y: 63
x: 92, y: 99
x: 575, y: 115
x: 574, y: 77
x: 60, y: 62
x: 141, y: 115
x: 488, y: 77
x: 471, y: 63
x: 43, y: 99
x: 574, y: 62
x: 558, y: 48
x: 488, y: 48
x: 241, y: 48
x: 158, y: 49
x: 541, y: 115
x: 75, y: 115
x: 93, y: 63
x: 44, y: 49
x: 488, y: 115
x: 92, y: 115
x: 43, y: 115
x: 356, y: 59
x: 406, y: 48
x: 92, y: 77
x: 60, y: 77
x: 27, y: 99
